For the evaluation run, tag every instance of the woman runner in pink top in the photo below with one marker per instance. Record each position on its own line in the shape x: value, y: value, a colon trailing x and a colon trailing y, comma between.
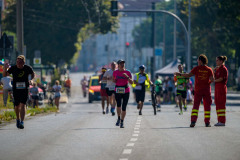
x: 122, y: 77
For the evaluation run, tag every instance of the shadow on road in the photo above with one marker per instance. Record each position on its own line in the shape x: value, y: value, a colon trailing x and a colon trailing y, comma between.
x: 172, y: 128
x: 94, y: 128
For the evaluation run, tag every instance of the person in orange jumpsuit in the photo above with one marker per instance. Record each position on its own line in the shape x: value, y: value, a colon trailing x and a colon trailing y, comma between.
x: 221, y: 77
x: 203, y: 78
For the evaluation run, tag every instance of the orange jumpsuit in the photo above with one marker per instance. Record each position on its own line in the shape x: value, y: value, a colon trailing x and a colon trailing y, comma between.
x: 221, y: 93
x: 202, y: 91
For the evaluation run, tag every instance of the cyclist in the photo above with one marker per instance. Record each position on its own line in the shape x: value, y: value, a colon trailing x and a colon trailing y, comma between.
x: 67, y: 85
x: 21, y: 81
x: 110, y: 87
x: 203, y: 76
x: 122, y: 77
x: 103, y: 92
x: 181, y: 89
x: 141, y: 80
x: 84, y: 83
x: 158, y: 89
x: 34, y: 94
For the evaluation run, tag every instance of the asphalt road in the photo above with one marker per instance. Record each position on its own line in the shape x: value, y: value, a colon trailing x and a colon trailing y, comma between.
x: 81, y: 131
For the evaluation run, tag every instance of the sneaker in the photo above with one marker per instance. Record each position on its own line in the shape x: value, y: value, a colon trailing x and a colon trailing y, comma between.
x: 207, y: 124
x: 118, y: 122
x: 103, y: 112
x: 219, y: 124
x: 192, y: 124
x: 107, y: 110
x: 21, y: 126
x: 112, y: 110
x: 185, y: 108
x: 18, y: 123
x: 113, y: 113
x: 140, y: 112
x: 121, y: 125
x: 180, y: 113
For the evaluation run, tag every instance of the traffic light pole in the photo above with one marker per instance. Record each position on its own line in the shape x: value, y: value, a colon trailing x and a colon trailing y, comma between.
x: 177, y: 18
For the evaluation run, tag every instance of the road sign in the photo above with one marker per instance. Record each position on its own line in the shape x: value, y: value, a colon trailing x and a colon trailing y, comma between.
x: 158, y: 51
x: 37, y: 61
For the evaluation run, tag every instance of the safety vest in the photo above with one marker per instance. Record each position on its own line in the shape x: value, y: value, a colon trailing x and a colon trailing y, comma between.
x: 146, y: 81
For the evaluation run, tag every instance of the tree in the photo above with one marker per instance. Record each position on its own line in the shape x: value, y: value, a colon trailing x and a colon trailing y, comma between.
x: 54, y: 26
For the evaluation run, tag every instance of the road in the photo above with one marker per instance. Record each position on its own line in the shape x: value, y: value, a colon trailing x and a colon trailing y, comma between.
x: 81, y: 131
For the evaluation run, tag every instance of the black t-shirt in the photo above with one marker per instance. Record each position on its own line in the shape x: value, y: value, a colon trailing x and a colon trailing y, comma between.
x: 20, y: 76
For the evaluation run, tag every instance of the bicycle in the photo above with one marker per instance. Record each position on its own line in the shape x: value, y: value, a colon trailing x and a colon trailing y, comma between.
x: 153, y: 99
x: 51, y: 98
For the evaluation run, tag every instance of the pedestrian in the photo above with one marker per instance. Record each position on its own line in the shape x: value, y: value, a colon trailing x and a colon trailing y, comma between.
x: 141, y: 79
x: 165, y: 91
x: 110, y: 87
x: 57, y: 89
x: 122, y: 77
x: 170, y: 89
x: 221, y: 77
x: 103, y: 92
x: 158, y: 89
x: 181, y: 90
x: 34, y: 94
x: 7, y: 87
x: 84, y: 84
x: 21, y: 81
x: 203, y: 77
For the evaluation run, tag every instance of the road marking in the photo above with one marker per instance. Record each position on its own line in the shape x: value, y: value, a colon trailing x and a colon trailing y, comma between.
x: 127, y: 151
x: 136, y: 131
x: 135, y: 135
x: 137, y: 126
x: 138, y: 123
x: 130, y: 144
x: 133, y: 139
x: 123, y: 159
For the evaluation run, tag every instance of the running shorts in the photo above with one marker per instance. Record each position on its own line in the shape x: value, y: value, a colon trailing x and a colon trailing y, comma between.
x: 122, y: 100
x: 109, y: 93
x: 182, y: 93
x: 140, y: 96
x: 20, y: 96
x: 103, y: 93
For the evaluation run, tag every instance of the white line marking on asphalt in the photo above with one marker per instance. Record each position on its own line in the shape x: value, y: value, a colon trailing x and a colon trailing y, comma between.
x: 130, y: 144
x: 133, y: 139
x: 138, y: 123
x: 123, y: 159
x: 127, y: 151
x: 139, y: 118
x: 136, y: 131
x: 135, y: 135
x: 137, y: 126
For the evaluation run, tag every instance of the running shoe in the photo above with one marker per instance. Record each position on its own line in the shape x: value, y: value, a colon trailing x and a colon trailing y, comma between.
x: 140, y: 112
x: 219, y: 124
x: 107, y: 110
x: 18, y: 123
x: 180, y: 113
x: 118, y: 122
x: 192, y: 124
x: 113, y: 113
x: 185, y: 108
x: 21, y: 126
x: 103, y: 112
x: 121, y: 125
x: 207, y: 124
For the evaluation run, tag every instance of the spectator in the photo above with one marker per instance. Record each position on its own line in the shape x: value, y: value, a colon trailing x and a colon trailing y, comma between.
x: 7, y: 87
x: 34, y: 94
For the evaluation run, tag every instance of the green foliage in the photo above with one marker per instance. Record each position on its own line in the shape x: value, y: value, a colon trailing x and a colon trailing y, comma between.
x: 52, y: 26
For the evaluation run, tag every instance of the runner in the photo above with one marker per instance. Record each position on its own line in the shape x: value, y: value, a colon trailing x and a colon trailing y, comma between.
x: 84, y: 84
x: 221, y: 77
x: 181, y: 89
x: 158, y: 89
x: 34, y: 95
x: 67, y: 85
x: 57, y: 89
x: 110, y: 87
x: 122, y: 77
x: 103, y: 92
x: 141, y: 80
x: 20, y: 73
x: 203, y: 76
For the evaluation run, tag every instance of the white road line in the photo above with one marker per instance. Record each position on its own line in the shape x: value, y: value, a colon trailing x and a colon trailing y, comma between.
x: 133, y: 139
x: 137, y: 126
x: 127, y: 151
x: 138, y: 123
x: 136, y: 131
x: 123, y: 159
x: 135, y: 135
x: 130, y: 144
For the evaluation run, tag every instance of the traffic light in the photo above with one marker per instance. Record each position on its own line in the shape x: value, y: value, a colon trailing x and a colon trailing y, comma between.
x: 127, y: 44
x: 194, y: 62
x: 114, y: 6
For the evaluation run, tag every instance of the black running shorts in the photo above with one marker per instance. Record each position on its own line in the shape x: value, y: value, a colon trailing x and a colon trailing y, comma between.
x: 20, y: 96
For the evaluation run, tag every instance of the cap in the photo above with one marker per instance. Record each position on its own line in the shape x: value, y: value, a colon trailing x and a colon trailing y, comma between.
x: 120, y: 61
x: 142, y: 67
x: 104, y: 69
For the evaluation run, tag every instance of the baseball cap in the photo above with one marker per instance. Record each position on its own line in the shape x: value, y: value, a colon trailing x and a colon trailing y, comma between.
x: 120, y: 61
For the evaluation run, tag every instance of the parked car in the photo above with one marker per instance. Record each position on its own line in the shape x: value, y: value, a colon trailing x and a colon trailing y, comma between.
x: 94, y: 89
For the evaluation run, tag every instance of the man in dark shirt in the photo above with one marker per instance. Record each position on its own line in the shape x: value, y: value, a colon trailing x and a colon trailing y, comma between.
x: 21, y: 81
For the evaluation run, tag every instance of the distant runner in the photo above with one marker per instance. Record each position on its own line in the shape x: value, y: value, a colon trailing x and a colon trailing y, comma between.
x: 104, y: 96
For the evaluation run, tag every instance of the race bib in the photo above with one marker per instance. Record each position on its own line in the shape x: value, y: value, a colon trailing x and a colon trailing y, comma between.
x: 20, y: 85
x: 120, y: 90
x: 180, y: 87
x: 112, y: 88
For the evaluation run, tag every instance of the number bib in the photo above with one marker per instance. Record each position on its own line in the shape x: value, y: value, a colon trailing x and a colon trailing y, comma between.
x: 112, y: 88
x: 120, y: 90
x: 180, y: 87
x: 20, y: 85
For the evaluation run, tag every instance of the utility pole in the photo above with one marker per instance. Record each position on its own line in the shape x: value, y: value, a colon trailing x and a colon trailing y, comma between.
x: 125, y: 41
x: 153, y: 40
x: 174, y: 33
x: 189, y: 37
x: 164, y: 41
x: 20, y: 39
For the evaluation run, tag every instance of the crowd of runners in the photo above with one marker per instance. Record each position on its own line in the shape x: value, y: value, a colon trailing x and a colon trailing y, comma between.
x: 115, y: 88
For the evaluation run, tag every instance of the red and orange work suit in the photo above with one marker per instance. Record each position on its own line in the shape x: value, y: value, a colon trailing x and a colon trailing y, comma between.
x: 221, y: 93
x: 202, y: 91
